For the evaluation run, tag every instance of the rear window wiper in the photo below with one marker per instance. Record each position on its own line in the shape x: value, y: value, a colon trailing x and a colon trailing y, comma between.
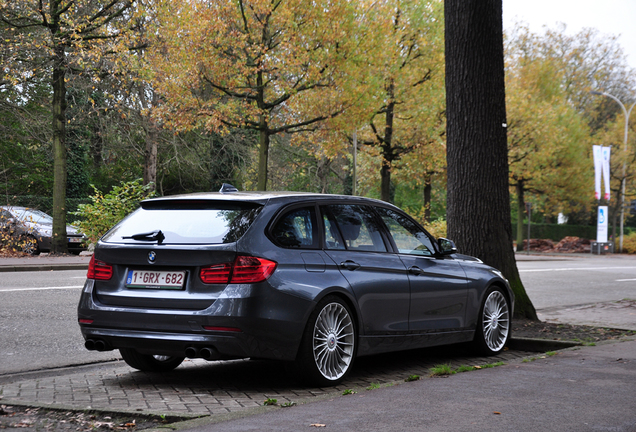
x: 149, y: 236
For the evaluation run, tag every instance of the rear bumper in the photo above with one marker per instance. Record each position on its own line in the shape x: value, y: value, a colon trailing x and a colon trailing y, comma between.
x: 239, y: 324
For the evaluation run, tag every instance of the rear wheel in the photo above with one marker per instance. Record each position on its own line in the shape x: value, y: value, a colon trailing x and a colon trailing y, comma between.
x: 148, y: 362
x: 328, y: 347
x: 493, y: 326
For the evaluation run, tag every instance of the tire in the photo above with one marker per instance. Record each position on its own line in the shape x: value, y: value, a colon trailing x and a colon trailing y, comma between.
x: 149, y: 363
x: 493, y: 325
x: 328, y: 345
x: 30, y: 245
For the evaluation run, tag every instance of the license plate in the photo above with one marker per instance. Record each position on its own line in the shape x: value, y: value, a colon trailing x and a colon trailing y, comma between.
x: 155, y: 279
x: 74, y: 239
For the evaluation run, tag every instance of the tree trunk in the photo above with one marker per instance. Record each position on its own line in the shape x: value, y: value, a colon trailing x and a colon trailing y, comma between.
x: 521, y: 208
x: 478, y: 199
x: 387, y: 150
x: 428, y: 188
x: 150, y: 155
x: 59, y: 242
x: 263, y: 152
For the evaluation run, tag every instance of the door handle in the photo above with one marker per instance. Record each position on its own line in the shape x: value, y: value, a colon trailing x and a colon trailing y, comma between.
x: 350, y: 265
x: 415, y: 270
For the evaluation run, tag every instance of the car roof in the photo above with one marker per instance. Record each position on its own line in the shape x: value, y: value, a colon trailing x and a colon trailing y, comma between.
x: 259, y: 196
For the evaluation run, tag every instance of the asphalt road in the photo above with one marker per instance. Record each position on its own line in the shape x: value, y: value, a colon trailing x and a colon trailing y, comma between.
x: 38, y: 327
x: 38, y: 321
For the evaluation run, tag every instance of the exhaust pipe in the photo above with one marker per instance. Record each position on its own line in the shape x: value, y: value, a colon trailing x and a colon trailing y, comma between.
x: 89, y: 344
x: 100, y: 345
x: 209, y: 353
x: 191, y: 352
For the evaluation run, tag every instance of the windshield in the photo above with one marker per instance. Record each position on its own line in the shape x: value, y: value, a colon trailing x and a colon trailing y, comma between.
x: 184, y: 226
x: 34, y: 216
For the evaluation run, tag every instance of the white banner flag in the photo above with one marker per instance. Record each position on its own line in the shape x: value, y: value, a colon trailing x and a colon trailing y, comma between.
x: 606, y: 170
x: 598, y: 169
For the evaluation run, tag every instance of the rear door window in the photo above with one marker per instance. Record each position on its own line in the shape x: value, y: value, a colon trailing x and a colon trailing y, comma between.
x: 353, y: 227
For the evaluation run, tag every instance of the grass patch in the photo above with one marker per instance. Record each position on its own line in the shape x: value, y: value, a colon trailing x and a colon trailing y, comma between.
x: 348, y: 392
x: 373, y: 386
x: 270, y: 401
x: 442, y: 370
x: 412, y: 378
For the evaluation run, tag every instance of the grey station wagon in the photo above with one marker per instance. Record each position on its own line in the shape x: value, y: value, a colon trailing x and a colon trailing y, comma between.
x: 312, y: 279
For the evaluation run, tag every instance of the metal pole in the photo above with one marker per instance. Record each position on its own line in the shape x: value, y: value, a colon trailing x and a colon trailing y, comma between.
x: 623, y: 179
x: 529, y: 208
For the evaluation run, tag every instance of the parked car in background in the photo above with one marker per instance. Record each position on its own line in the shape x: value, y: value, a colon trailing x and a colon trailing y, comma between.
x: 32, y: 230
x: 312, y: 279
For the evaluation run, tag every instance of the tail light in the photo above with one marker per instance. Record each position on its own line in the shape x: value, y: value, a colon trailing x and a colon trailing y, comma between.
x: 99, y: 270
x: 244, y: 269
x: 216, y: 274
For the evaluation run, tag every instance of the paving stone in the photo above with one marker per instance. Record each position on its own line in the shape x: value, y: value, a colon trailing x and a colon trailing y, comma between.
x: 209, y: 388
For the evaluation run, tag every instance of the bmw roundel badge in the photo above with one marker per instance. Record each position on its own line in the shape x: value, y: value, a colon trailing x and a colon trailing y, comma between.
x: 152, y: 256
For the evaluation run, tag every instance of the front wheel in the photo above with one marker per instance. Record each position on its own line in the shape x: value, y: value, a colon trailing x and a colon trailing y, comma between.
x: 328, y: 346
x: 493, y: 325
x: 149, y: 363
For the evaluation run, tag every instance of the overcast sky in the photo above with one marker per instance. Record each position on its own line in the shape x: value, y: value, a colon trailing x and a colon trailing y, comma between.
x: 616, y: 17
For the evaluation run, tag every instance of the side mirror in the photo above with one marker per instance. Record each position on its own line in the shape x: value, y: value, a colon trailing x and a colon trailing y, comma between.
x: 446, y: 246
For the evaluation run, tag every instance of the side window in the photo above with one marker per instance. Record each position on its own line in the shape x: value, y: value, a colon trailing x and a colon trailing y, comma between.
x: 357, y: 228
x: 297, y: 229
x: 408, y: 237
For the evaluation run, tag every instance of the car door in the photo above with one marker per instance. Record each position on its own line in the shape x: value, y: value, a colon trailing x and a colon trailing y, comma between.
x: 354, y: 240
x: 439, y: 287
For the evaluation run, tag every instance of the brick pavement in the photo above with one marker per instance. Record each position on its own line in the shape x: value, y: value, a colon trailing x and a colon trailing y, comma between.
x: 200, y: 388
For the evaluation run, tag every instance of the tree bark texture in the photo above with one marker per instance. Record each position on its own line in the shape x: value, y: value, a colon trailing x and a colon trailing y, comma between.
x: 478, y: 199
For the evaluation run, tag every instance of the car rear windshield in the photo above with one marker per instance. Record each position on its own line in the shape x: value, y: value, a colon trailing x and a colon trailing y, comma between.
x: 185, y: 222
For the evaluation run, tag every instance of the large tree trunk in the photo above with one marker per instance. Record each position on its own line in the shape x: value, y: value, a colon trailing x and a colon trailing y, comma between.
x: 59, y: 243
x: 478, y: 200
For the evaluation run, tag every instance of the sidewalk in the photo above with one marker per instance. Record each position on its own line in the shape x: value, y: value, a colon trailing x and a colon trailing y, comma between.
x: 45, y: 262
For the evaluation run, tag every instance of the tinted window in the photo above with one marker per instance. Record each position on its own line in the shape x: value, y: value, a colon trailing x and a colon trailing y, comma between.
x: 408, y: 237
x: 357, y: 228
x: 203, y: 225
x: 297, y: 229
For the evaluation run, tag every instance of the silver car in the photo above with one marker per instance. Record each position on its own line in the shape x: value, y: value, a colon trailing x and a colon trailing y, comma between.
x: 32, y: 230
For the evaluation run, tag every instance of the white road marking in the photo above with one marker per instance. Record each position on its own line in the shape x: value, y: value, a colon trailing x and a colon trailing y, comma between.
x: 625, y: 280
x: 40, y: 289
x: 574, y: 269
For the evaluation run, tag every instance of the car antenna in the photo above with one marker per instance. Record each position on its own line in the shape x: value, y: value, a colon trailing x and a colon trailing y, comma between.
x: 228, y: 188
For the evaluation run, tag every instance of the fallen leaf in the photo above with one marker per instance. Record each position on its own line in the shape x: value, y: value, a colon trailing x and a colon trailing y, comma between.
x: 497, y: 412
x: 317, y: 425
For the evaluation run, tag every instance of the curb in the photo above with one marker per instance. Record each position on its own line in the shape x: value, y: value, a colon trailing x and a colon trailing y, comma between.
x: 42, y: 267
x: 540, y: 345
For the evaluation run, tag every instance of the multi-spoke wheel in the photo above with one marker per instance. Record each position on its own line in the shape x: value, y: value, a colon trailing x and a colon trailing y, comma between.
x: 493, y: 326
x: 329, y: 343
x: 149, y: 363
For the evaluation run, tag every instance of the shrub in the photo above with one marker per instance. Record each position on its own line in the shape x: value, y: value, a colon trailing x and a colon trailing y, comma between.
x: 629, y: 243
x: 106, y: 210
